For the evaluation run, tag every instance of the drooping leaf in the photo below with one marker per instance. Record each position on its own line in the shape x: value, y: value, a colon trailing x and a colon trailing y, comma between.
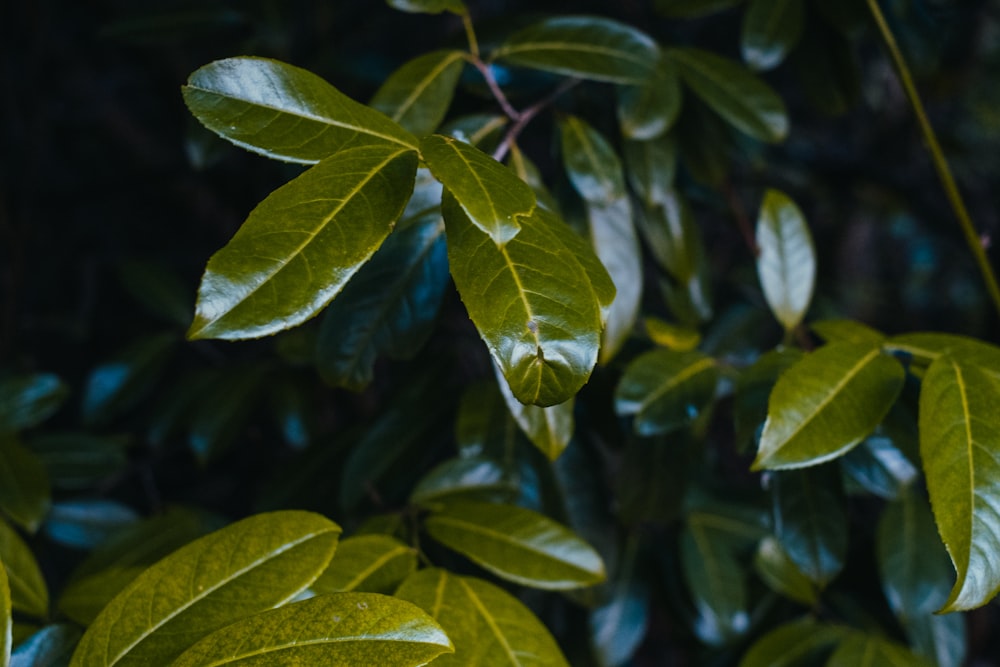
x: 25, y: 492
x: 666, y: 390
x: 672, y: 235
x: 285, y: 112
x: 786, y: 264
x: 877, y: 466
x: 493, y: 199
x: 587, y: 47
x: 342, y: 629
x: 858, y: 649
x: 771, y: 28
x: 517, y: 544
x: 6, y: 618
x: 826, y: 403
x: 683, y: 9
x: 648, y: 110
x: 28, y: 400
x: 297, y: 250
x: 28, y: 592
x: 247, y: 567
x: 87, y: 523
x: 733, y: 92
x: 418, y: 94
x: 79, y: 460
x: 811, y: 522
x: 549, y: 429
x: 51, y: 646
x: 530, y: 301
x: 753, y: 389
x: 367, y: 564
x: 716, y: 580
x: 960, y: 448
x: 781, y: 574
x: 388, y: 307
x: 468, y: 476
x: 119, y: 384
x: 590, y: 162
x: 791, y: 643
x: 488, y: 626
x: 651, y: 167
x: 428, y: 6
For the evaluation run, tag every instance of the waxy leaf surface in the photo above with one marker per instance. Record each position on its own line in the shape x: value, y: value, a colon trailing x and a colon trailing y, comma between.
x: 786, y: 263
x: 647, y: 110
x: 781, y: 574
x: 651, y: 168
x: 549, y: 429
x: 810, y: 521
x: 666, y: 390
x: 303, y: 243
x: 466, y: 476
x: 28, y: 593
x: 367, y: 564
x: 284, y: 112
x: 771, y: 28
x: 418, y: 94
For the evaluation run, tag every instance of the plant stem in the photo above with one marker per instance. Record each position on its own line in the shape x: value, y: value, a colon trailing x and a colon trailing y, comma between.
x: 524, y: 117
x: 470, y: 35
x: 940, y: 163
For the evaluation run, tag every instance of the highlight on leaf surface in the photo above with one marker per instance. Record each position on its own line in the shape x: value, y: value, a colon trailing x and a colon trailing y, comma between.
x: 786, y: 263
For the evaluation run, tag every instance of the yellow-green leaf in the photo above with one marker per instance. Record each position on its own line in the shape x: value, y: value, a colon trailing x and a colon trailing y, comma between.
x: 549, y: 429
x: 472, y: 476
x: 284, y: 112
x: 418, y: 94
x: 771, y: 28
x: 25, y: 492
x: 341, y: 629
x: 786, y: 263
x: 28, y: 592
x: 367, y: 564
x: 666, y: 389
x: 6, y: 618
x: 790, y: 644
x: 859, y: 649
x: 517, y: 544
x: 252, y: 565
x: 51, y: 646
x: 850, y: 331
x: 303, y: 243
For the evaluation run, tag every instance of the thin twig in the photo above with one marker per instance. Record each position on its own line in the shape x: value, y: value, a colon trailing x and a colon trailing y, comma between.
x: 524, y: 117
x: 495, y: 89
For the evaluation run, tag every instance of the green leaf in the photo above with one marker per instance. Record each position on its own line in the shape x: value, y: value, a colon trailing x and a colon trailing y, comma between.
x: 528, y: 172
x: 786, y: 263
x: 791, y: 643
x: 51, y: 646
x: 418, y: 94
x: 848, y: 331
x: 285, y: 112
x: 549, y: 429
x: 590, y: 162
x: 771, y: 28
x: 648, y: 110
x: 154, y: 285
x: 733, y: 92
x: 6, y: 618
x: 220, y: 416
x: 118, y: 385
x: 925, y: 348
x: 252, y: 565
x: 28, y: 593
x: 879, y: 467
x: 619, y: 625
x: 79, y: 460
x: 960, y: 448
x: 716, y: 579
x: 296, y: 251
x: 389, y: 307
x: 517, y: 544
x: 488, y: 626
x: 25, y: 492
x: 28, y: 400
x: 671, y: 336
x: 587, y: 47
x: 781, y: 574
x: 467, y: 476
x: 651, y: 167
x: 342, y: 629
x: 530, y: 301
x: 429, y: 6
x: 87, y: 523
x: 685, y: 9
x: 478, y: 129
x: 666, y: 390
x: 859, y: 649
x: 491, y: 196
x: 671, y: 233
x: 753, y: 389
x: 827, y: 403
x: 368, y: 564
x: 811, y: 522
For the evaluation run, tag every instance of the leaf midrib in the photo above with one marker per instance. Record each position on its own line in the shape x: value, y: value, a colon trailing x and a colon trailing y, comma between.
x: 497, y: 632
x: 676, y: 380
x: 553, y: 45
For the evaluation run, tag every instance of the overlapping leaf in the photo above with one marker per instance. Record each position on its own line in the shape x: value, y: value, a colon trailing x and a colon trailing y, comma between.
x: 467, y: 476
x: 549, y: 429
x: 716, y: 579
x: 791, y: 643
x: 25, y: 492
x: 28, y: 593
x: 284, y: 112
x: 648, y: 110
x: 51, y: 646
x: 771, y: 28
x: 786, y: 263
x: 300, y: 245
x: 367, y: 564
x: 858, y: 649
x: 665, y: 389
x: 811, y: 522
x: 418, y: 94
x: 781, y: 574
x: 651, y: 167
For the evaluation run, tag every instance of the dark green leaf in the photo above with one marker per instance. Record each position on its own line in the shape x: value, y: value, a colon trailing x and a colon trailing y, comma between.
x: 388, y: 307
x: 781, y: 574
x: 826, y: 404
x: 343, y: 629
x: 160, y: 290
x: 28, y: 593
x: 51, y: 646
x: 790, y: 644
x: 285, y: 112
x: 590, y: 162
x: 716, y: 580
x: 619, y: 624
x: 927, y: 347
x: 811, y: 522
x: 826, y: 67
x: 79, y: 460
x: 549, y: 429
x: 651, y: 167
x: 367, y: 564
x: 493, y: 199
x: 481, y: 130
x: 119, y: 384
x: 683, y: 9
x: 786, y: 263
x: 879, y: 467
x: 672, y: 235
x: 517, y: 544
x: 771, y: 28
x: 753, y: 389
x: 858, y: 649
x: 85, y: 524
x: 418, y: 94
x: 296, y: 251
x: 530, y: 302
x: 252, y: 565
x: 587, y: 47
x: 666, y: 390
x: 221, y: 414
x: 733, y: 92
x: 28, y: 400
x: 528, y: 172
x: 469, y: 476
x: 428, y: 6
x: 6, y: 618
x: 25, y: 493
x: 848, y: 331
x: 648, y: 110
x: 488, y: 626
x: 293, y: 408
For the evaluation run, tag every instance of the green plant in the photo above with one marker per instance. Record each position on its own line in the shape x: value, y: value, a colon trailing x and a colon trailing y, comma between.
x: 591, y: 284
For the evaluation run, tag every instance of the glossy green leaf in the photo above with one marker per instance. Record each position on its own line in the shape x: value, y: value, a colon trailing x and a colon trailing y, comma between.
x: 428, y: 6
x: 733, y: 92
x: 517, y: 544
x: 587, y: 47
x: 51, y: 646
x: 252, y: 565
x: 28, y: 400
x: 671, y: 234
x: 590, y: 162
x: 877, y: 466
x: 651, y: 167
x: 781, y: 574
x: 786, y: 263
x: 25, y: 492
x: 389, y: 307
x: 530, y: 302
x: 790, y: 644
x: 296, y: 251
x: 28, y: 593
x: 826, y: 404
x: 482, y: 130
x: 683, y: 9
x: 753, y: 387
x: 549, y: 429
x: 716, y: 580
x: 811, y: 522
x: 925, y: 348
x: 468, y: 476
x: 87, y: 523
x: 118, y: 385
x: 284, y: 112
x: 342, y: 629
x: 647, y: 110
x: 367, y: 564
x: 418, y: 94
x: 859, y: 649
x: 493, y: 198
x: 959, y: 441
x: 771, y: 28
x: 848, y: 331
x: 488, y: 626
x: 79, y: 460
x: 666, y: 390
x: 6, y: 618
